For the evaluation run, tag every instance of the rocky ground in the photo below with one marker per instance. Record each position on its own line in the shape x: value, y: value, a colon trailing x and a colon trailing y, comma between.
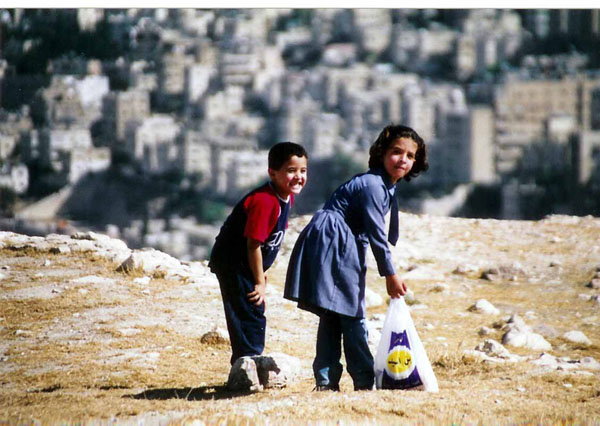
x: 508, y: 311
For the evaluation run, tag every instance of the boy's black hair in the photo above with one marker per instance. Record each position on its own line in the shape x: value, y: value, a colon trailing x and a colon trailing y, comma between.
x: 282, y: 152
x: 388, y: 135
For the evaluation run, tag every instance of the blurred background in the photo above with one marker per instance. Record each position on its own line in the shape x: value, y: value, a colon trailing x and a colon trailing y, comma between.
x: 149, y: 124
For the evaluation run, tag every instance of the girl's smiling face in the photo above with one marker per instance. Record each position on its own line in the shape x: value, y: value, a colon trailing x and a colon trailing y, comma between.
x: 399, y: 158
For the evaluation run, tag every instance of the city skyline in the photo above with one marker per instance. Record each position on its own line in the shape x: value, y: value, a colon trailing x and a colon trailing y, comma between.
x: 507, y: 100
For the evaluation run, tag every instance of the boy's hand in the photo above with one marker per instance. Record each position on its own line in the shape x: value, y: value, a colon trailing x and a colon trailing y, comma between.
x: 258, y: 295
x: 395, y: 286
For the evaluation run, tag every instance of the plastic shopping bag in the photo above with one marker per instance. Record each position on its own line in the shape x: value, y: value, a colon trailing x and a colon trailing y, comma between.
x: 401, y: 361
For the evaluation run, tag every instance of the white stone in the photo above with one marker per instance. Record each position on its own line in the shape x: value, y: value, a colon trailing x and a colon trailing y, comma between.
x: 493, y: 348
x: 374, y: 337
x: 484, y: 331
x: 216, y: 336
x: 440, y: 287
x: 575, y: 336
x: 526, y: 339
x: 142, y: 280
x: 151, y: 261
x: 589, y: 363
x: 372, y: 299
x: 546, y: 361
x: 94, y: 279
x: 484, y: 307
x: 515, y: 322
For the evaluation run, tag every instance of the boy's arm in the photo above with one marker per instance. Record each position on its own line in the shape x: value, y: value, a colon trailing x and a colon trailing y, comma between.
x: 255, y: 261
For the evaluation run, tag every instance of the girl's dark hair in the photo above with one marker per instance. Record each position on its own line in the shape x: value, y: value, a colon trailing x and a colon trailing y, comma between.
x: 282, y: 152
x: 388, y: 135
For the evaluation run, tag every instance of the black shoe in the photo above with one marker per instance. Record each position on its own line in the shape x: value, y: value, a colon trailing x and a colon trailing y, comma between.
x: 322, y: 388
x: 361, y: 388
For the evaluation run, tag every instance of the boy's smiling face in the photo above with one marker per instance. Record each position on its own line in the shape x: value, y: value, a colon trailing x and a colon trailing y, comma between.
x: 291, y: 176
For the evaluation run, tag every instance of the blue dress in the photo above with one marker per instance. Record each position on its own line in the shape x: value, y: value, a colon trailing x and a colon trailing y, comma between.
x: 327, y: 267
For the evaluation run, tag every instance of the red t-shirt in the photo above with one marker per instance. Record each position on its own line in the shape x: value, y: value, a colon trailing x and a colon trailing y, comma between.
x: 262, y: 209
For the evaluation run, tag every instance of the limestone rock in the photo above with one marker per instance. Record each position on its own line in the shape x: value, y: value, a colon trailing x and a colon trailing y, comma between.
x: 216, y: 336
x: 465, y: 269
x: 515, y: 322
x: 530, y: 340
x: 575, y: 336
x: 372, y: 299
x: 519, y: 334
x: 484, y: 331
x: 243, y: 376
x: 546, y: 361
x: 503, y: 273
x: 589, y: 363
x: 154, y: 262
x: 595, y: 283
x: 277, y: 369
x: 484, y: 307
x: 493, y: 348
x: 253, y: 374
x: 546, y: 330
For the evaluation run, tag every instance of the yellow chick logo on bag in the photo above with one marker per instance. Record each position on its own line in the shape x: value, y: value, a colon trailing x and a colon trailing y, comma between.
x: 399, y: 363
x: 400, y: 370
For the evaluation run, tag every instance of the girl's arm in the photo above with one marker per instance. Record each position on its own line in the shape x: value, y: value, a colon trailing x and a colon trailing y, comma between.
x: 255, y: 262
x: 395, y: 286
x: 374, y: 200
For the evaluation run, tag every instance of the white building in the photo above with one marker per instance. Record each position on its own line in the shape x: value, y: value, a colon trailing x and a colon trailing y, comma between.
x: 236, y: 171
x: 198, y: 77
x: 14, y: 177
x: 320, y: 134
x: 140, y: 78
x: 338, y: 80
x: 88, y: 18
x: 289, y: 124
x: 122, y: 108
x: 224, y: 104
x: 53, y: 143
x: 195, y: 155
x: 83, y: 161
x: 92, y: 89
x: 7, y: 145
x: 373, y: 29
x: 418, y: 111
x: 239, y: 68
x: 467, y: 145
x: 154, y: 143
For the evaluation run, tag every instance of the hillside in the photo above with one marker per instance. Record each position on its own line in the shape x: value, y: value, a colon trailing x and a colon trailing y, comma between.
x: 81, y: 340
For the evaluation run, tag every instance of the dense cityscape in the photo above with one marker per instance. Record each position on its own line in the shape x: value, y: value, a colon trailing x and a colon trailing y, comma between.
x: 148, y: 124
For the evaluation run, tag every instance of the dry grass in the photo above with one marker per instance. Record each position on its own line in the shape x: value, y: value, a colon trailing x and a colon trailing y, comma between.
x: 108, y: 370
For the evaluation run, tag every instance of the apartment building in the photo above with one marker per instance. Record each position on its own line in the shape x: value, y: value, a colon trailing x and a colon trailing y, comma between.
x: 372, y: 29
x: 120, y: 108
x: 320, y: 134
x: 531, y: 110
x: 153, y: 143
x: 14, y: 177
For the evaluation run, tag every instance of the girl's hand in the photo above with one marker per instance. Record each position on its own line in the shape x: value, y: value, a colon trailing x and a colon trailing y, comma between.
x: 395, y: 286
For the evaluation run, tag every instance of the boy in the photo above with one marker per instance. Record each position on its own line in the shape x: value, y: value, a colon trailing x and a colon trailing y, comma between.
x: 248, y: 243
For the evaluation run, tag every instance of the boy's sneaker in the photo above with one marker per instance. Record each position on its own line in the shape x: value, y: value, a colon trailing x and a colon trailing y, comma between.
x: 322, y: 388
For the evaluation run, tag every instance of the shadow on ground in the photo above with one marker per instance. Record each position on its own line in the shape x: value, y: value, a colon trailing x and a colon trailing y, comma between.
x: 191, y: 394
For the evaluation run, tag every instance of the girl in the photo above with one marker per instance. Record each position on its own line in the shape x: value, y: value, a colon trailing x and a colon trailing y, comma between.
x: 327, y: 269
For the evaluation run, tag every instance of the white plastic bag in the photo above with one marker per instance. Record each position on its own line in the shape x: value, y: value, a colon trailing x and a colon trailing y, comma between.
x: 401, y: 361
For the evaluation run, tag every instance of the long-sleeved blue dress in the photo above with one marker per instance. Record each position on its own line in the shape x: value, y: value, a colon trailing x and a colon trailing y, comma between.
x: 327, y: 267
